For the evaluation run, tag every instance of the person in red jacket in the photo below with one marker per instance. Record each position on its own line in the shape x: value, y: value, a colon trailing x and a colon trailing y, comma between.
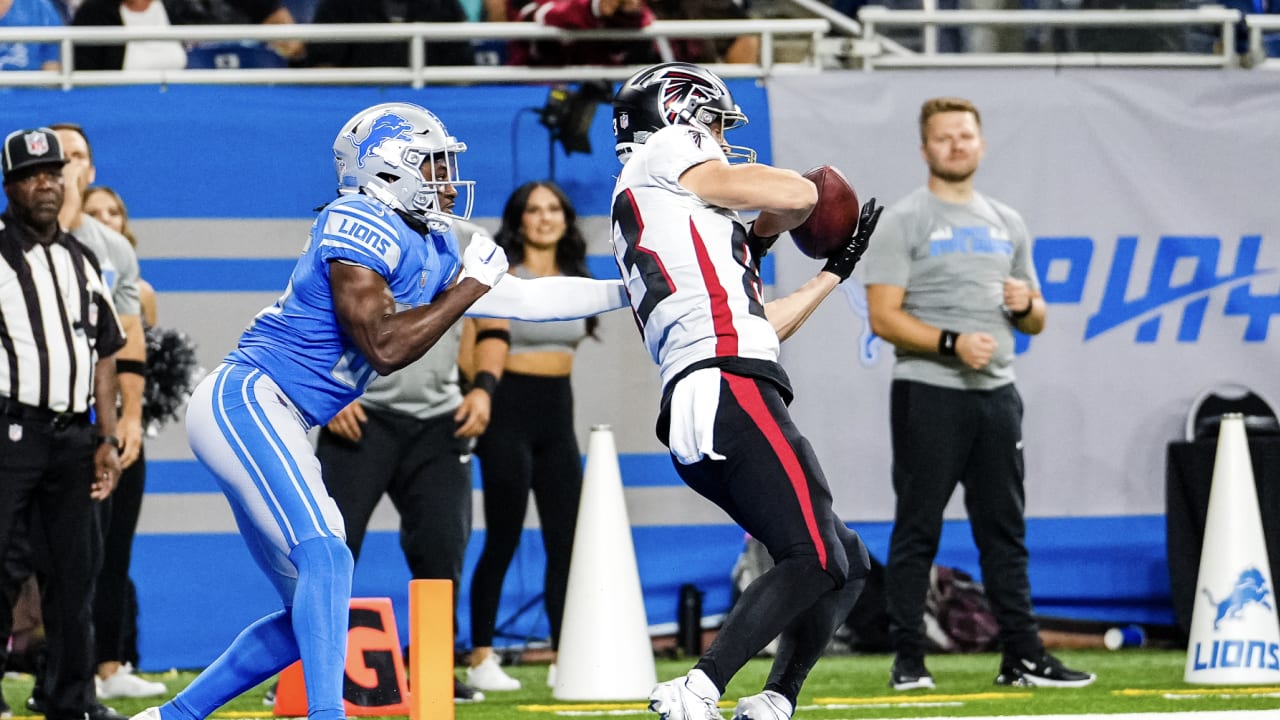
x: 579, y: 15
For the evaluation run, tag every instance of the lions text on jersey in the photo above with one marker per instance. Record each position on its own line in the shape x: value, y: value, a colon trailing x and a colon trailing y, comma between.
x: 298, y: 340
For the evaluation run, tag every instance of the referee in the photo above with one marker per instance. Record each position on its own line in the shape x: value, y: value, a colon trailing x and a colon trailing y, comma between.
x: 58, y: 333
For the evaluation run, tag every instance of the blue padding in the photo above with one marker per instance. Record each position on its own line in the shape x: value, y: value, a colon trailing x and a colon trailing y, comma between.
x: 1106, y: 569
x: 197, y: 151
x: 218, y: 274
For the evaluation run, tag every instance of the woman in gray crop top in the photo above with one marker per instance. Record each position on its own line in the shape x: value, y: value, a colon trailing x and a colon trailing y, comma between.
x: 530, y: 442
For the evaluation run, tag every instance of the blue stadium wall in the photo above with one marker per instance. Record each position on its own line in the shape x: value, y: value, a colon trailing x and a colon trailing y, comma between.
x: 221, y: 183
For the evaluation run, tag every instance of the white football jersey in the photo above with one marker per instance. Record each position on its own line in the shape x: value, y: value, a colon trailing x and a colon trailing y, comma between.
x: 694, y: 286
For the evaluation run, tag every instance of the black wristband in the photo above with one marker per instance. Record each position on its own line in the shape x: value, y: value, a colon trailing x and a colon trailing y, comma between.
x: 137, y: 367
x: 947, y: 343
x: 111, y: 440
x: 494, y: 334
x: 1018, y: 315
x: 486, y: 381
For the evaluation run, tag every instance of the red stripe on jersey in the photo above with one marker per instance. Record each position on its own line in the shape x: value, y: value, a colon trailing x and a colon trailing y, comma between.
x: 748, y: 396
x: 721, y: 315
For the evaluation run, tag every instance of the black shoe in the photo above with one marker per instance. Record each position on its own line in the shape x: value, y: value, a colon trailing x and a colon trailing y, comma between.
x: 464, y: 693
x: 102, y: 712
x: 1046, y: 671
x: 909, y: 673
x: 35, y: 706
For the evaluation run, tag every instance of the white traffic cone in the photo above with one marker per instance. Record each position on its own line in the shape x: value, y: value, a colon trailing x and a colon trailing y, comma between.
x: 1235, y: 634
x: 605, y: 650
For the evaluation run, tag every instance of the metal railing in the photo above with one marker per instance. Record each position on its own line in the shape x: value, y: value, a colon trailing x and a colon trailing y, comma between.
x: 875, y: 54
x: 1258, y: 25
x: 418, y: 36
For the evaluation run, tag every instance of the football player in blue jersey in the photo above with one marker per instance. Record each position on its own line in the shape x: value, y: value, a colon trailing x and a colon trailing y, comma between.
x: 380, y: 280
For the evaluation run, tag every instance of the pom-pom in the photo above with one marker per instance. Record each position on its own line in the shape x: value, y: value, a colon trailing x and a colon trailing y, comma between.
x: 172, y: 372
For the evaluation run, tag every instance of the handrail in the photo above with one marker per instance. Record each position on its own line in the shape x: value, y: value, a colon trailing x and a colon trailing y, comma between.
x: 417, y: 73
x: 875, y: 16
x: 1257, y: 25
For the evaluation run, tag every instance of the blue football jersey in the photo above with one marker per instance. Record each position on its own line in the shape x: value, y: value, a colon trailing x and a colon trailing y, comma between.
x: 299, y: 342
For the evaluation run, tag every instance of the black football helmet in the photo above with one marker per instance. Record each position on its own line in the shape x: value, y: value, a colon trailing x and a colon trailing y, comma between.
x: 674, y: 94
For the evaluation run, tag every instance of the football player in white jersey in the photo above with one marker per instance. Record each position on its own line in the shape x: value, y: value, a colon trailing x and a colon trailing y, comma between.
x: 691, y: 268
x: 380, y: 280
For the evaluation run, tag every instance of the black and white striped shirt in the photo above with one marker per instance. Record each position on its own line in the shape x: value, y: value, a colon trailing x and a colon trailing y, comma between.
x: 56, y: 320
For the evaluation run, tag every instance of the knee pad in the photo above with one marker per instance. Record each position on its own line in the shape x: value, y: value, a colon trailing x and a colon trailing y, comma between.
x: 323, y: 556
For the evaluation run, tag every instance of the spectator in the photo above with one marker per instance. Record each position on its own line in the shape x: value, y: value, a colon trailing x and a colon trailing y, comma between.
x: 237, y: 12
x: 741, y: 49
x: 390, y: 53
x: 948, y: 257
x: 107, y: 207
x: 115, y: 600
x: 581, y: 15
x: 135, y: 54
x: 409, y: 437
x: 55, y: 463
x: 530, y: 443
x: 29, y: 55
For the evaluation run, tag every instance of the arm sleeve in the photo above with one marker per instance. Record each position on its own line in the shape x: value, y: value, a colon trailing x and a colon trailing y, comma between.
x: 1023, y: 266
x: 549, y: 298
x: 677, y: 148
x: 351, y: 235
x: 125, y: 295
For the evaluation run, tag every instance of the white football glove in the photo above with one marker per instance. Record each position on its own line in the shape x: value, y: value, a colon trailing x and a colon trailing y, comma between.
x: 483, y: 260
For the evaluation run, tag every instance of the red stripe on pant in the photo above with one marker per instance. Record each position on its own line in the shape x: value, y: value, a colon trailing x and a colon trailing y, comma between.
x: 748, y: 396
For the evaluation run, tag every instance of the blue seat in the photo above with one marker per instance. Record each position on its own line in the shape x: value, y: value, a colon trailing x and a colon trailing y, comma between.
x: 233, y: 55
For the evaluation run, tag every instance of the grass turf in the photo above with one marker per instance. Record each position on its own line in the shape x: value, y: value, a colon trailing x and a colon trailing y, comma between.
x: 857, y: 687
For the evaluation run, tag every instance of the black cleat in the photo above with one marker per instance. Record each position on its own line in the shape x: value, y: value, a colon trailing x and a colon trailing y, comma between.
x: 1045, y: 671
x: 909, y: 673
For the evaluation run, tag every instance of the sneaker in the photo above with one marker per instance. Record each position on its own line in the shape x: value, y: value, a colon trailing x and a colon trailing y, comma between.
x: 551, y: 676
x: 768, y: 705
x: 122, y: 684
x: 151, y: 713
x: 909, y: 673
x: 488, y: 675
x: 1047, y: 671
x: 463, y: 693
x: 678, y: 700
x: 269, y: 697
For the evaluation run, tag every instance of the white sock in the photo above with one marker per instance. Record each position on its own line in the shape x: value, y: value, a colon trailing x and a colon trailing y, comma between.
x: 699, y: 683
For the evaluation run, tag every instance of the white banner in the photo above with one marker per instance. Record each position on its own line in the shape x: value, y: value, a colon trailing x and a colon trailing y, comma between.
x: 1153, y: 197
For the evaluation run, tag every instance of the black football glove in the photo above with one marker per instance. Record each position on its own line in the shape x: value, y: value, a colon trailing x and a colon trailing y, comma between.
x: 758, y: 244
x: 846, y: 259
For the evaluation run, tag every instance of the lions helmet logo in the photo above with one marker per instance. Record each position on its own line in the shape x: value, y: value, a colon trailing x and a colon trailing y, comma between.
x: 385, y: 128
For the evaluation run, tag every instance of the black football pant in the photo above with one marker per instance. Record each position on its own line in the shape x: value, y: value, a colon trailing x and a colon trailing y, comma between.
x: 114, y: 605
x: 48, y: 472
x: 944, y: 437
x: 423, y: 468
x: 770, y: 483
x: 530, y: 444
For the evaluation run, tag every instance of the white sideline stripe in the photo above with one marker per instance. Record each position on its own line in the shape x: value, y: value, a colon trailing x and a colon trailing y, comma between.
x: 1202, y: 715
x: 208, y: 513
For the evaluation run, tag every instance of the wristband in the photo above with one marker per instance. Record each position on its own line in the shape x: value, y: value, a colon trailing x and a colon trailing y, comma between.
x: 1024, y: 312
x: 494, y: 334
x: 111, y: 440
x: 947, y: 343
x: 486, y: 381
x: 136, y: 367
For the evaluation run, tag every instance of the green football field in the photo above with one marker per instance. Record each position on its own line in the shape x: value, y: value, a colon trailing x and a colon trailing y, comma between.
x: 1129, y: 681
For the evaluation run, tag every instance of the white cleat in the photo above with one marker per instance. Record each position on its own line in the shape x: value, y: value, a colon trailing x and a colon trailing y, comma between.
x: 489, y: 677
x: 151, y: 713
x: 676, y: 700
x: 767, y: 705
x: 124, y: 684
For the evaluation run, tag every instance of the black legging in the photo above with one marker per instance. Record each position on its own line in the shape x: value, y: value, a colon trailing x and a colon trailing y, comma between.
x: 529, y: 445
x: 114, y: 609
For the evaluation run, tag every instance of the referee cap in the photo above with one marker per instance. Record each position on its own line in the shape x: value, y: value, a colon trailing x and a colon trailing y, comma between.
x: 28, y: 148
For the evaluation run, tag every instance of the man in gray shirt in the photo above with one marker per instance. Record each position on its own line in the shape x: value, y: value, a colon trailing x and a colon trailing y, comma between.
x: 949, y: 278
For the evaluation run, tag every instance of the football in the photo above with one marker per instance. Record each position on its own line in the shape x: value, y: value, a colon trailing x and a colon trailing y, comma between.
x: 834, y: 217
